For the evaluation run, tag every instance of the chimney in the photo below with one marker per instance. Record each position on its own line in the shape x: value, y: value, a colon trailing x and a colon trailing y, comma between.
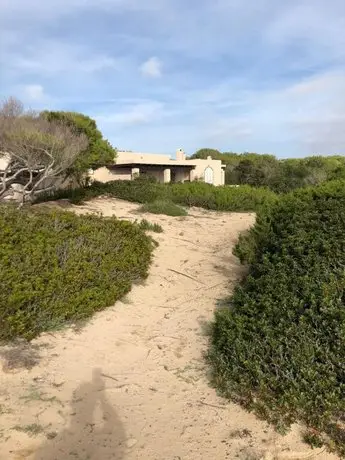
x: 180, y: 155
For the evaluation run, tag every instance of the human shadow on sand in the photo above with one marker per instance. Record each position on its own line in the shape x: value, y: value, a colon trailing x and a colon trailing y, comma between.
x: 88, y: 438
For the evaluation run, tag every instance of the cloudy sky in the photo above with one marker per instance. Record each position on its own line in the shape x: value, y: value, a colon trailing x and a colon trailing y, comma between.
x: 264, y: 76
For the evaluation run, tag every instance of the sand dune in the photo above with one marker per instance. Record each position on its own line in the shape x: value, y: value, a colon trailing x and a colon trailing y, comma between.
x: 132, y: 383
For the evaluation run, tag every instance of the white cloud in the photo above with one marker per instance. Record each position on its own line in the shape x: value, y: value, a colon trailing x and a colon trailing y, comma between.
x: 309, y: 33
x: 263, y: 100
x: 152, y: 68
x: 53, y: 57
x: 298, y: 118
x: 136, y: 114
x: 34, y: 92
x: 309, y: 114
x: 37, y: 10
x: 228, y: 128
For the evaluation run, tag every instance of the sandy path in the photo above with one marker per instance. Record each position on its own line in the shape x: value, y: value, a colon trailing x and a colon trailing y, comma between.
x: 132, y: 383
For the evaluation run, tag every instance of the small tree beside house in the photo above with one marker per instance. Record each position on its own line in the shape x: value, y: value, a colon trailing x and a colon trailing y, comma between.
x: 37, y: 154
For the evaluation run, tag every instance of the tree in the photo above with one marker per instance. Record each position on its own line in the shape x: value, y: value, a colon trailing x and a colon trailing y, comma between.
x: 98, y: 153
x: 38, y: 153
x: 256, y: 170
x: 206, y: 152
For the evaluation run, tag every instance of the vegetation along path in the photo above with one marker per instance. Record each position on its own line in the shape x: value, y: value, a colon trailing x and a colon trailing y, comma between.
x: 132, y: 383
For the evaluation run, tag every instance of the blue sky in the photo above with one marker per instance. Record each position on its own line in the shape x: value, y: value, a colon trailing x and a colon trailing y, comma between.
x: 265, y: 76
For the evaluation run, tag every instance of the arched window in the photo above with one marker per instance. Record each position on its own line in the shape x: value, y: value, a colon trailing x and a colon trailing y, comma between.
x: 208, y: 175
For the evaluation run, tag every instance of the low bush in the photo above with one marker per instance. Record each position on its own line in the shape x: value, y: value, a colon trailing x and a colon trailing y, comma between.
x: 57, y: 267
x: 148, y: 226
x: 227, y: 198
x: 138, y: 191
x: 279, y: 346
x: 163, y: 207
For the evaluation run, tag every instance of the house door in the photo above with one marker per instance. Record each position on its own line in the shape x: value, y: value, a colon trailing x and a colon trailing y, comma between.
x: 208, y: 175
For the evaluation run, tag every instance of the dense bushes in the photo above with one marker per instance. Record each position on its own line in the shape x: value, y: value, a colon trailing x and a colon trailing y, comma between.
x: 279, y: 347
x: 57, y: 267
x: 280, y: 175
x: 227, y: 198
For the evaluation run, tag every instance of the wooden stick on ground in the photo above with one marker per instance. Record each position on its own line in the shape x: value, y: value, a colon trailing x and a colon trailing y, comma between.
x: 185, y: 274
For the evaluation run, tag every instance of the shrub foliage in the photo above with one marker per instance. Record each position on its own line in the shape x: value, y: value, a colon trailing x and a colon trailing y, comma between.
x: 166, y: 207
x: 280, y: 175
x: 227, y: 198
x: 36, y: 154
x: 149, y: 227
x: 56, y: 267
x: 279, y: 347
x: 98, y: 152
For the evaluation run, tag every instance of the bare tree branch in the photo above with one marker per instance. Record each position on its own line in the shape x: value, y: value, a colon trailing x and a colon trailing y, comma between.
x: 39, y: 152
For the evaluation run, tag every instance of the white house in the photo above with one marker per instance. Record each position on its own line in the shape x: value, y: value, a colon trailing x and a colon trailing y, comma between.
x: 129, y: 165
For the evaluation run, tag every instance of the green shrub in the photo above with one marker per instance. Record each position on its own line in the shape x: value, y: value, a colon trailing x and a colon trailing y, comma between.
x: 148, y: 226
x: 251, y: 241
x: 57, y: 267
x: 146, y: 178
x: 74, y: 195
x: 163, y: 207
x: 279, y: 347
x: 227, y: 198
x: 139, y: 191
x: 312, y: 438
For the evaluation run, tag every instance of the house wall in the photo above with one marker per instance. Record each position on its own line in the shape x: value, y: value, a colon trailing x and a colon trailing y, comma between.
x: 158, y: 174
x: 128, y: 157
x: 216, y: 165
x: 182, y: 175
x: 143, y: 160
x: 107, y: 175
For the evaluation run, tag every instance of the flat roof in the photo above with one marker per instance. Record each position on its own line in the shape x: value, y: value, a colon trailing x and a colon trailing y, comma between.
x: 154, y: 165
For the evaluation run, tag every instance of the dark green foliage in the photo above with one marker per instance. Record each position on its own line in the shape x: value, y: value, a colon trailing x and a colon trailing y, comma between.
x: 204, y: 153
x: 146, y: 177
x: 279, y: 175
x: 138, y: 191
x: 57, y: 267
x: 251, y: 242
x: 255, y: 170
x: 148, y: 226
x: 31, y: 430
x: 227, y: 198
x: 99, y: 151
x: 279, y: 347
x: 163, y: 207
x: 312, y: 438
